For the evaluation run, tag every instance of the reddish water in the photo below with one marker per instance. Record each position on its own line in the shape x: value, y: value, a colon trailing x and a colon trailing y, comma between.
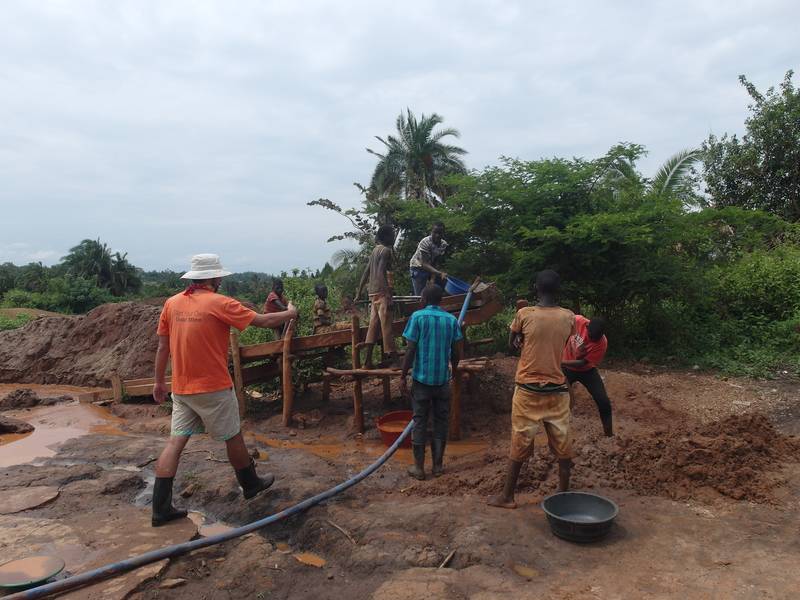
x: 207, y: 529
x: 54, y: 425
x: 361, y: 451
x: 26, y: 570
x: 393, y: 426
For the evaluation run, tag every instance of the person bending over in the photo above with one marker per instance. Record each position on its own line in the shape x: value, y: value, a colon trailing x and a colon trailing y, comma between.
x: 193, y: 330
x: 583, y: 352
x: 434, y: 343
x: 540, y: 394
x: 424, y: 263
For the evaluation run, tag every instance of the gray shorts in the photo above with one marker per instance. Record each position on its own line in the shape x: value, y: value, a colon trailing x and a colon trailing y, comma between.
x: 215, y: 413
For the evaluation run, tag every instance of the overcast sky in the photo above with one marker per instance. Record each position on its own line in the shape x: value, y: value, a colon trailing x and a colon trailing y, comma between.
x: 171, y: 128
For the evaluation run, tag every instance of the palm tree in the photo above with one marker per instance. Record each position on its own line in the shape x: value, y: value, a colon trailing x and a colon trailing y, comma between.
x: 92, y: 259
x: 618, y: 169
x: 414, y: 163
x: 673, y: 173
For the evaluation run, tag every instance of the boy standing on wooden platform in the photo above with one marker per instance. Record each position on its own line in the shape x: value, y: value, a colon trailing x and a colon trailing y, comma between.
x: 380, y: 287
x: 541, y: 395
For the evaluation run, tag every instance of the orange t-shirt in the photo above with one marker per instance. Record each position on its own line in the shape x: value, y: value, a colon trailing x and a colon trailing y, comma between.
x: 198, y: 326
x: 545, y: 331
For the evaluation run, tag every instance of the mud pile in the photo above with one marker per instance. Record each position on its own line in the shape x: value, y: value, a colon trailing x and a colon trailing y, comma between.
x: 738, y: 457
x: 82, y: 350
x: 27, y: 398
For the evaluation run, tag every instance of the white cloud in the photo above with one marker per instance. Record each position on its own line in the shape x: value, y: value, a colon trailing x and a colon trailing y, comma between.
x: 168, y: 128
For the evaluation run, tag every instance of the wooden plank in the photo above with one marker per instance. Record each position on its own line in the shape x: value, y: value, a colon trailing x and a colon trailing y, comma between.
x: 238, y: 381
x: 344, y: 337
x: 358, y: 399
x: 88, y: 397
x: 116, y: 386
x: 142, y: 381
x: 286, y: 373
x: 261, y: 373
x: 144, y: 389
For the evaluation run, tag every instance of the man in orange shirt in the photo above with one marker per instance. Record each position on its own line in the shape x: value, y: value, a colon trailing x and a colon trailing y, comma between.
x: 194, y: 329
x: 541, y: 396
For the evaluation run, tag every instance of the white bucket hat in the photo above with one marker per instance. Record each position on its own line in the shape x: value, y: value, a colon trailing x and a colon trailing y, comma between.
x: 205, y: 266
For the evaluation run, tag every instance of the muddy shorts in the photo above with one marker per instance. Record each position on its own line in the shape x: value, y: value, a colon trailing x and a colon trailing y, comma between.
x: 528, y: 411
x: 215, y: 413
x: 380, y: 319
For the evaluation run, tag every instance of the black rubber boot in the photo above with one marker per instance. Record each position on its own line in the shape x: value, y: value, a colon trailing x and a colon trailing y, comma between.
x: 251, y: 483
x: 417, y: 470
x: 437, y: 450
x: 163, y: 511
x: 608, y: 428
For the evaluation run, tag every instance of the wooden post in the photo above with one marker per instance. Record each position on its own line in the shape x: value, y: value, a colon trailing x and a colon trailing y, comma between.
x: 387, y: 390
x: 358, y: 397
x: 455, y: 407
x: 326, y: 388
x: 238, y: 381
x: 116, y: 386
x: 286, y: 373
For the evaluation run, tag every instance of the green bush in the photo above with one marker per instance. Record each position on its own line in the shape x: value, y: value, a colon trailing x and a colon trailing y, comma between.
x: 7, y: 323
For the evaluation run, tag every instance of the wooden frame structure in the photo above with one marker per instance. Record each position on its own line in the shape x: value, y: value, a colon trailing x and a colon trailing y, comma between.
x: 276, y: 359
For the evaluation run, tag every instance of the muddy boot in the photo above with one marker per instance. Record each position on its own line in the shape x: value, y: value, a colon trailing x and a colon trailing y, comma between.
x: 251, y: 483
x: 163, y: 511
x: 417, y: 470
x: 437, y: 451
x: 608, y: 429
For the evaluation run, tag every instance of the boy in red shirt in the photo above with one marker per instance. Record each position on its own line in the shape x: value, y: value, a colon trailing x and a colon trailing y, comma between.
x: 276, y: 302
x: 583, y: 352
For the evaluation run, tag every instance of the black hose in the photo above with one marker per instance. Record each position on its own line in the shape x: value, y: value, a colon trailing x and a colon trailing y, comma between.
x: 123, y: 566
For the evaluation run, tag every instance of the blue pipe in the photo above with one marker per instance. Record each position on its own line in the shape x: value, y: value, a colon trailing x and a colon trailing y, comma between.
x: 464, y: 307
x: 123, y: 566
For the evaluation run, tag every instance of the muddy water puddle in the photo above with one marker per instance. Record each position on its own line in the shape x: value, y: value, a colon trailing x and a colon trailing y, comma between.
x: 206, y: 527
x: 362, y: 451
x: 55, y: 425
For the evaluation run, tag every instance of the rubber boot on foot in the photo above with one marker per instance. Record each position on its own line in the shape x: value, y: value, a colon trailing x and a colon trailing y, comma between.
x: 251, y: 483
x: 163, y: 511
x: 417, y: 470
x: 437, y: 450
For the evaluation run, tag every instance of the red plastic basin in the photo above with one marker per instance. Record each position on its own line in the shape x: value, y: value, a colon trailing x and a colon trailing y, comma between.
x: 392, y: 424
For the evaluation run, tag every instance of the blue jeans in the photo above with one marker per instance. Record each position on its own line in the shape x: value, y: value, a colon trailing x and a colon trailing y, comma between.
x: 419, y: 279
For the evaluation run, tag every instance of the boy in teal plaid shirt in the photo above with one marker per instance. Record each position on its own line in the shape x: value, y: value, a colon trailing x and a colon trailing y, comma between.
x: 434, y: 343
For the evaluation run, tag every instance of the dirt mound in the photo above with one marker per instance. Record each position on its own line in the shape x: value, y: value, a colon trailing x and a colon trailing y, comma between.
x: 27, y: 398
x: 21, y: 398
x: 82, y: 350
x: 737, y: 457
x: 10, y: 425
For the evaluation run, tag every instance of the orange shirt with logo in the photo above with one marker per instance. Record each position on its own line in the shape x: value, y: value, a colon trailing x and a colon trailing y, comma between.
x: 545, y: 331
x: 198, y: 326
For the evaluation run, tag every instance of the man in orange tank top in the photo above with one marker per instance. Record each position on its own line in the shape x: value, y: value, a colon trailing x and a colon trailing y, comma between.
x: 194, y: 330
